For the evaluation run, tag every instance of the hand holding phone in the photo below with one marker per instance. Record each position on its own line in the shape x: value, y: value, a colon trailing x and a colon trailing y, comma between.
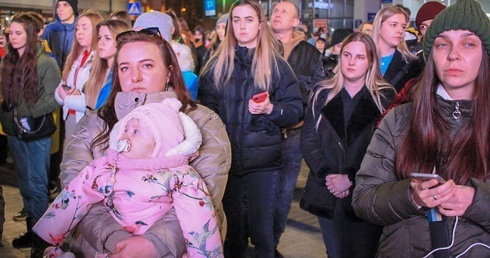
x: 66, y: 87
x: 424, y: 177
x: 260, y: 97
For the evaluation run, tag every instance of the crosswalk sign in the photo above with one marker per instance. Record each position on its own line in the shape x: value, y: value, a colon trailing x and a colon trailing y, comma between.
x: 134, y: 8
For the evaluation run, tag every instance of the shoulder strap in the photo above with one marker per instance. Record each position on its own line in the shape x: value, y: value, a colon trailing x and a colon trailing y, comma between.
x: 401, y: 73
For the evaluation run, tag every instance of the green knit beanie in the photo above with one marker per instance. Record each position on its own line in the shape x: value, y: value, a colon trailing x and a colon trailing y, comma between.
x: 463, y: 15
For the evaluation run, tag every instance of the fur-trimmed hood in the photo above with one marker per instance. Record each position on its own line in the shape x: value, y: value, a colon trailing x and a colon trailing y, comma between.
x: 175, y: 133
x: 184, y: 56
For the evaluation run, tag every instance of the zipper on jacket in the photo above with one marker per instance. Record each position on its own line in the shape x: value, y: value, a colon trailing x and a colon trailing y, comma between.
x: 456, y: 112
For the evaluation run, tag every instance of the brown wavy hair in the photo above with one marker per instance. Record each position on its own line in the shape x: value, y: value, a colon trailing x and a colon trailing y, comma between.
x: 108, y: 112
x: 19, y: 73
x: 428, y: 142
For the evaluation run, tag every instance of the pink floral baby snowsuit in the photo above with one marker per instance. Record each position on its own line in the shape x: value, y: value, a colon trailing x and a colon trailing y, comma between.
x: 143, y: 191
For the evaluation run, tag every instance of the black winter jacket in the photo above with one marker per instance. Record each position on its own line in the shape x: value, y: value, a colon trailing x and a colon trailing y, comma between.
x: 255, y: 139
x: 329, y: 64
x: 333, y: 149
x: 408, y: 70
x: 306, y: 62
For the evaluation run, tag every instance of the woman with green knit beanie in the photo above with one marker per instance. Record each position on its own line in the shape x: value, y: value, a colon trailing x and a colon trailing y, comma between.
x: 445, y: 131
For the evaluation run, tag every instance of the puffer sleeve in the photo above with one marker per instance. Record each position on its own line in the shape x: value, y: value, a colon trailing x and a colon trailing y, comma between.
x: 380, y: 197
x: 71, y: 206
x: 195, y: 211
x: 78, y: 152
x: 214, y: 159
x: 287, y: 100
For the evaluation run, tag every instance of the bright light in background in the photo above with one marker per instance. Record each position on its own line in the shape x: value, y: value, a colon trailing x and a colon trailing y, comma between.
x: 321, y: 5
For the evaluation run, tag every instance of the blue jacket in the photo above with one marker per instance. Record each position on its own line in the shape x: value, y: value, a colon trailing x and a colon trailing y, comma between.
x: 60, y: 38
x: 105, y: 91
x: 191, y: 83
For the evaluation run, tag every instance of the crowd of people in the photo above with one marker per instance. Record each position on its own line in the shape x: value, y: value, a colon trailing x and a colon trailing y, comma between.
x: 180, y: 142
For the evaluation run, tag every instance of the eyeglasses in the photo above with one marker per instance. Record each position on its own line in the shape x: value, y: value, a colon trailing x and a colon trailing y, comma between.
x: 151, y: 31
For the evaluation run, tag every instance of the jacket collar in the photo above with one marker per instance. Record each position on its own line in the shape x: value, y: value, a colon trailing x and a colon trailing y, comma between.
x: 365, y: 113
x: 448, y: 107
x: 244, y: 55
x: 127, y: 101
x: 40, y: 49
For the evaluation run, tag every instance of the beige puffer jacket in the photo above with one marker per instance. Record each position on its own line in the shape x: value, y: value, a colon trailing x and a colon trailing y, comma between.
x: 213, y: 164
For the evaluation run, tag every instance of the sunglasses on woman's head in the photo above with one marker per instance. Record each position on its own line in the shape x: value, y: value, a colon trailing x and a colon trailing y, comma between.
x: 151, y: 31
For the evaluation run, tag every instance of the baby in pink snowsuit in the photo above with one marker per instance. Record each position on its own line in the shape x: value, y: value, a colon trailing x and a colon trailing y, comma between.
x: 146, y: 171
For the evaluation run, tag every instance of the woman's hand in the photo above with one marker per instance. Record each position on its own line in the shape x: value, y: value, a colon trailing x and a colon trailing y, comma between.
x: 342, y: 195
x: 135, y: 246
x: 429, y: 193
x: 338, y: 185
x: 63, y: 93
x: 258, y: 108
x: 459, y: 202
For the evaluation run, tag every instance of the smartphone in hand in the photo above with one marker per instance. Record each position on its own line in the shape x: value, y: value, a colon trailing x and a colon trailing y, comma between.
x: 260, y: 97
x: 66, y: 87
x: 424, y: 177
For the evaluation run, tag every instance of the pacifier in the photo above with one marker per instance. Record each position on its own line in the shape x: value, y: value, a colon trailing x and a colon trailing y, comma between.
x: 123, y: 145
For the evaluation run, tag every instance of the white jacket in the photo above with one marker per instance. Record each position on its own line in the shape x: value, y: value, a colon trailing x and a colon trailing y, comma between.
x: 76, y: 102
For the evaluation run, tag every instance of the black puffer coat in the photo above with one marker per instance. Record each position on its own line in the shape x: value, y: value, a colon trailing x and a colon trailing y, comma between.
x: 306, y: 62
x: 255, y: 139
x: 333, y: 149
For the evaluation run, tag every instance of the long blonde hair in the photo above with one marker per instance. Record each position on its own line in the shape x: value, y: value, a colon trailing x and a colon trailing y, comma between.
x: 266, y: 53
x: 76, y: 49
x: 372, y: 79
x: 100, y: 68
x: 382, y: 16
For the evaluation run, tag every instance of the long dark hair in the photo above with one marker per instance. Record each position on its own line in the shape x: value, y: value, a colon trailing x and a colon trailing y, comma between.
x: 428, y: 142
x: 108, y: 111
x: 19, y: 73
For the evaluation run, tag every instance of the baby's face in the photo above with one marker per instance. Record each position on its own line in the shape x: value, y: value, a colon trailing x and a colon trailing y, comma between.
x: 141, y: 138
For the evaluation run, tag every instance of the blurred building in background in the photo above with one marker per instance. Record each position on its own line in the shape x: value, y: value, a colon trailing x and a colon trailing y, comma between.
x: 314, y: 13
